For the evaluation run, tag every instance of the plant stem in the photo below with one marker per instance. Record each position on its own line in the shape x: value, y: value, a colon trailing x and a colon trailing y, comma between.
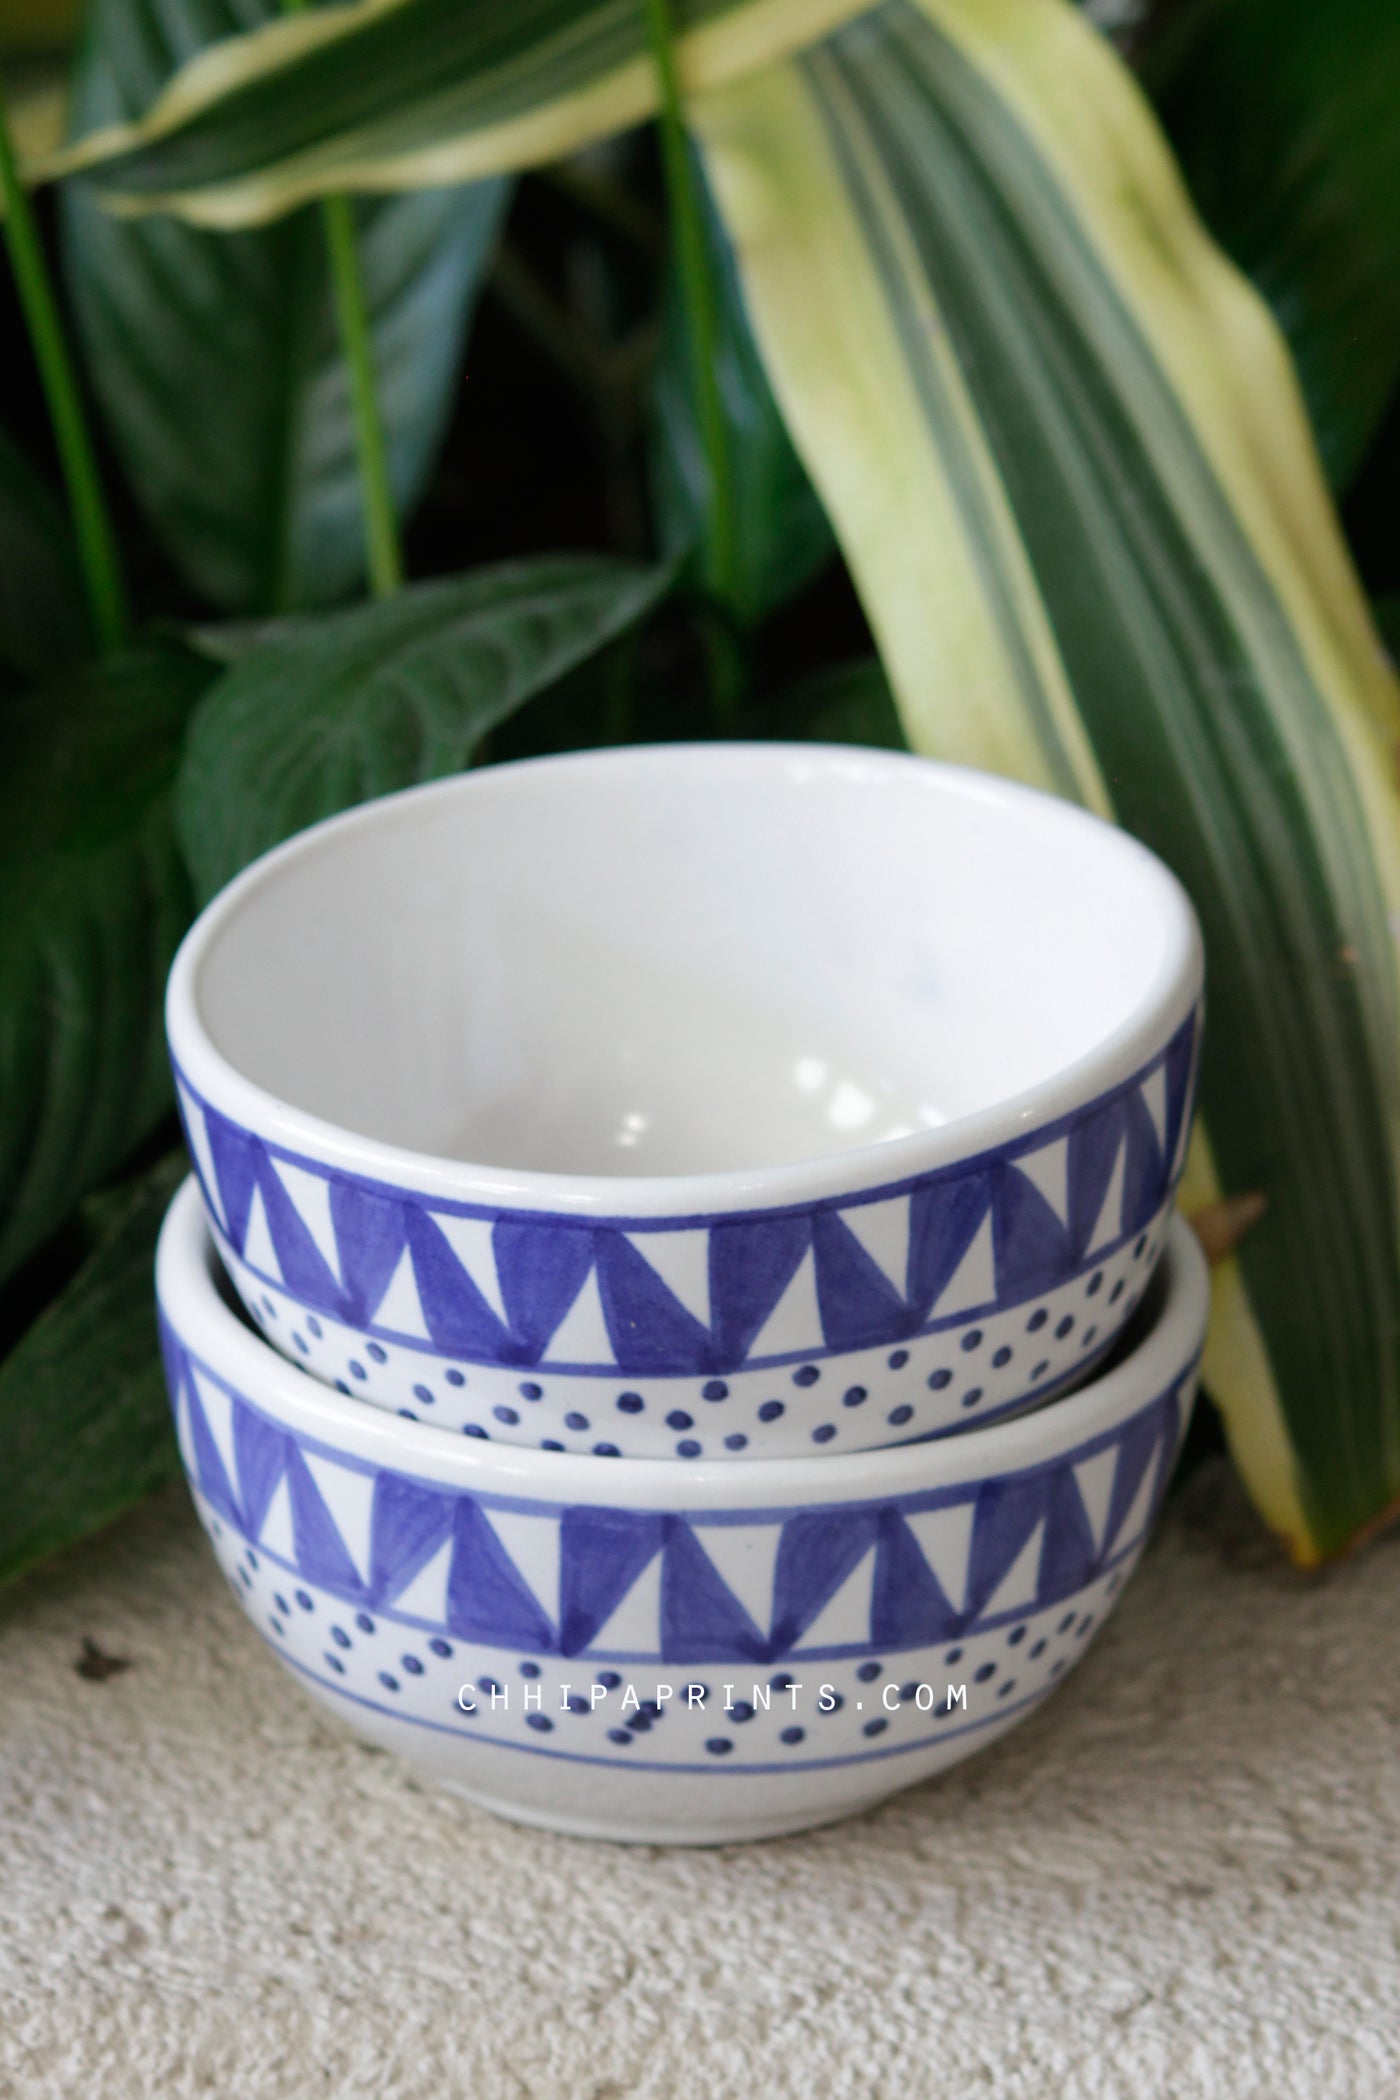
x: 92, y: 526
x: 702, y: 320
x: 352, y: 311
x: 382, y: 548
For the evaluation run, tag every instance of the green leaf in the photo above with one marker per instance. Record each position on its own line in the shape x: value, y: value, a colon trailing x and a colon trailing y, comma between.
x: 217, y: 359
x: 1064, y: 450
x: 1283, y: 115
x: 84, y: 1419
x: 782, y: 536
x: 43, y: 614
x: 399, y: 94
x: 356, y: 704
x: 96, y: 899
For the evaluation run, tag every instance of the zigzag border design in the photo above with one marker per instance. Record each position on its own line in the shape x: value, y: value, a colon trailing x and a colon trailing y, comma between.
x: 755, y: 1585
x: 705, y: 1294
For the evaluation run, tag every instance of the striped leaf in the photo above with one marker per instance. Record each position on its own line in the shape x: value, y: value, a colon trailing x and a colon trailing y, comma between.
x: 408, y: 94
x: 1064, y: 450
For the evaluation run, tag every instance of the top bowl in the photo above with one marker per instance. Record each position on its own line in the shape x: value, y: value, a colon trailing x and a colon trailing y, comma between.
x: 722, y: 1099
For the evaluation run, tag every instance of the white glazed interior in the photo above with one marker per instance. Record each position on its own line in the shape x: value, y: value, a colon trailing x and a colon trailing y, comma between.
x: 680, y: 965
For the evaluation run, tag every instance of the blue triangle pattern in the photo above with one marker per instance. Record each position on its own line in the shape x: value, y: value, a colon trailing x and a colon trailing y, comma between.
x: 321, y: 1552
x: 1136, y: 1449
x: 236, y: 1158
x: 944, y: 1217
x: 1093, y: 1151
x: 860, y: 1307
x: 458, y: 1317
x: 542, y: 1261
x: 261, y: 1451
x: 701, y: 1619
x: 650, y: 1330
x: 1033, y: 1250
x: 370, y: 1230
x: 910, y: 1610
x: 211, y: 1196
x: 601, y: 1554
x: 302, y: 1263
x: 486, y: 1598
x: 1008, y: 1511
x: 1069, y: 1555
x: 752, y: 1262
x: 214, y: 1483
x: 1145, y: 1170
x: 542, y: 1267
x: 816, y: 1554
x: 409, y: 1523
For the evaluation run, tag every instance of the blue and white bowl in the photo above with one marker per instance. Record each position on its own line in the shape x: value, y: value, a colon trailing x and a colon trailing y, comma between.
x: 723, y: 1101
x: 665, y: 1652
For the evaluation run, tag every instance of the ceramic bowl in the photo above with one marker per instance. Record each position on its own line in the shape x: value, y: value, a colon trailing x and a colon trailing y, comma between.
x: 694, y: 1101
x: 656, y: 1651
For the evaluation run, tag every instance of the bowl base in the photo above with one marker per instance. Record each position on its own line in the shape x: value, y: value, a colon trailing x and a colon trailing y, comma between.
x: 722, y: 1830
x: 645, y: 1808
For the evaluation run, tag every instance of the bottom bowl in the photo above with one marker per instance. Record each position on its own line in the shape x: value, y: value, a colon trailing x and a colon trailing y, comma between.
x: 656, y: 1650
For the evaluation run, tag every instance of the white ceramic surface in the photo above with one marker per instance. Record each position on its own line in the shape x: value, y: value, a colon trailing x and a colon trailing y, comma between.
x: 665, y: 1652
x: 694, y: 1101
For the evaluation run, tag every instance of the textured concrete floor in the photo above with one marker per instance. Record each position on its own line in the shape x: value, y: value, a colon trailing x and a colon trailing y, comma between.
x: 1180, y: 1878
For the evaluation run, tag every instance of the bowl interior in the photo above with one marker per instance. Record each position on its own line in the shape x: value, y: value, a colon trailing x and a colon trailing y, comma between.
x: 684, y: 959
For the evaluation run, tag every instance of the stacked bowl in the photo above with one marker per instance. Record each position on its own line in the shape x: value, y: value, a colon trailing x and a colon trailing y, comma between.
x: 677, y: 1325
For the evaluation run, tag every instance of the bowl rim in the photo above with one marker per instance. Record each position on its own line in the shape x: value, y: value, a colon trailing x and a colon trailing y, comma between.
x: 309, y: 1138
x: 187, y: 1265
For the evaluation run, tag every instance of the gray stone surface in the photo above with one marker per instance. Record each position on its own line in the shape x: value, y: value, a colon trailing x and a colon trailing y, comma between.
x: 1182, y: 1877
